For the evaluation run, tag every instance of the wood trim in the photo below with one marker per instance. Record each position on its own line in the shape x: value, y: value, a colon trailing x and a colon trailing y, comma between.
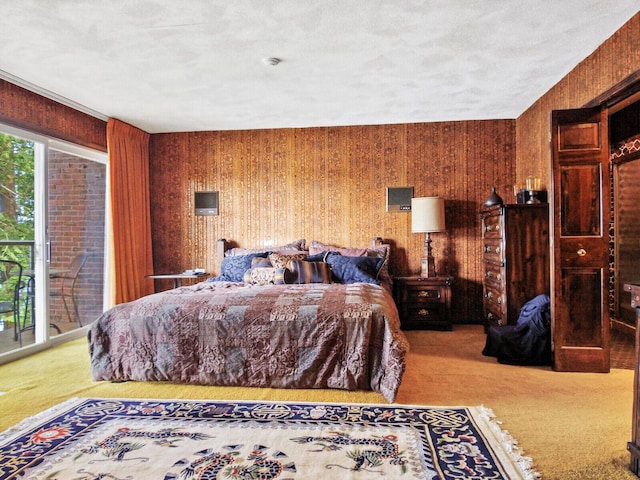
x: 24, y: 109
x: 627, y: 91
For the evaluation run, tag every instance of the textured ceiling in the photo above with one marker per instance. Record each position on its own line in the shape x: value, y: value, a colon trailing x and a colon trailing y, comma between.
x: 186, y: 65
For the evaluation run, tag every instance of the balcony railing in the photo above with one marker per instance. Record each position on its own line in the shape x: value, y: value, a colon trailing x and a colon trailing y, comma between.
x: 21, y: 251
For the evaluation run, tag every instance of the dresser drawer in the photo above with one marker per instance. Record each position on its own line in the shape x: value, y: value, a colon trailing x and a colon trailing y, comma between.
x: 492, y: 250
x: 494, y: 315
x: 415, y: 295
x: 493, y: 274
x: 427, y: 317
x: 491, y: 227
x: 493, y: 296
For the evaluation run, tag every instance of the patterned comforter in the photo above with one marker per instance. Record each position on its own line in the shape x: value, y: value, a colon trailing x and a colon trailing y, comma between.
x: 283, y: 336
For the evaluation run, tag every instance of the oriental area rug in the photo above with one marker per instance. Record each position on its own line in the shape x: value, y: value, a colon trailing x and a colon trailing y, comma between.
x: 240, y: 440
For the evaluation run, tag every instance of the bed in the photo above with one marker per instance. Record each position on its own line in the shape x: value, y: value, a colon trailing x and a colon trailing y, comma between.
x: 283, y: 317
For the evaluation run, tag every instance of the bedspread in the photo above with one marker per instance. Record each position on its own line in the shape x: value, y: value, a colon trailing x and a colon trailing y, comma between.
x: 282, y: 336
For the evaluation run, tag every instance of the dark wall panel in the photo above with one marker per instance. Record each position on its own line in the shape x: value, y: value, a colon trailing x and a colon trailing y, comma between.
x: 30, y: 111
x: 329, y: 184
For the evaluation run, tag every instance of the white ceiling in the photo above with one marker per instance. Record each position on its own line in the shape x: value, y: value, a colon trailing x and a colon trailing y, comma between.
x: 187, y: 65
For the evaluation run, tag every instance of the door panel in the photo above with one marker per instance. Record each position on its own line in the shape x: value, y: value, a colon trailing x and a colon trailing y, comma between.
x: 580, y: 182
x: 580, y: 319
x: 577, y: 285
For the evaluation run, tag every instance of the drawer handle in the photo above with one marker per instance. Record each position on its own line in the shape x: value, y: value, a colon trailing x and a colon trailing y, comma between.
x: 489, y: 296
x: 487, y: 249
x: 489, y: 275
x: 423, y: 312
x: 491, y: 316
x: 428, y: 294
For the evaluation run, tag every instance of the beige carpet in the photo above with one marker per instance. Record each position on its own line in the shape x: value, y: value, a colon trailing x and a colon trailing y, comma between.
x: 574, y: 426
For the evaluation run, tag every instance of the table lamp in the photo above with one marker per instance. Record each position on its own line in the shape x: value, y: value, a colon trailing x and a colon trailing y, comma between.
x: 427, y: 216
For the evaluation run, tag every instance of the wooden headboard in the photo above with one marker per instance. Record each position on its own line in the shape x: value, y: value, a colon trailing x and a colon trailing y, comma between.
x: 223, y: 245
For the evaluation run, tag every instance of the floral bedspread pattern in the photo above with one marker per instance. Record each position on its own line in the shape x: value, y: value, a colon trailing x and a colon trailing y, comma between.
x: 344, y: 336
x: 176, y: 439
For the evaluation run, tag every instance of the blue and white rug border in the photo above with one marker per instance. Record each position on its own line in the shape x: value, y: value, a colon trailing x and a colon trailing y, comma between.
x: 484, y: 418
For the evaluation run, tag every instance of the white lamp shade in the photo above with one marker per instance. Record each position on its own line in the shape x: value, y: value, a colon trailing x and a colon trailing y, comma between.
x: 427, y: 214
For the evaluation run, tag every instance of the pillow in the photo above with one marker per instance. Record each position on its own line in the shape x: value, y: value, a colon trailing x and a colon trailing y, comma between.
x: 279, y: 260
x: 382, y: 251
x: 232, y: 268
x: 298, y: 245
x: 354, y: 269
x: 318, y: 247
x: 308, y: 272
x: 260, y: 276
x: 282, y: 275
x: 260, y: 262
x: 318, y: 257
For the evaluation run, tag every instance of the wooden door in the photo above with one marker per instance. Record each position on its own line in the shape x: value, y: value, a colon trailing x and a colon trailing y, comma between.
x: 581, y: 192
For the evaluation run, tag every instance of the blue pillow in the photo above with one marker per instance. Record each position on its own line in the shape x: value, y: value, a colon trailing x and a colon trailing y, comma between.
x: 354, y: 269
x: 318, y: 257
x: 233, y: 268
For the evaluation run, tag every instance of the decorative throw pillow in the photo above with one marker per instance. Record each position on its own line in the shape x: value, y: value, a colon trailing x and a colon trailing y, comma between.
x: 260, y: 276
x: 282, y: 275
x: 381, y: 251
x: 279, y: 260
x: 232, y: 268
x: 260, y: 262
x: 318, y: 257
x: 309, y: 272
x: 354, y: 269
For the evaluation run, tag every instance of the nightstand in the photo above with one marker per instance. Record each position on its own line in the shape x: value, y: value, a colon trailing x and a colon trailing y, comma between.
x: 423, y: 303
x: 177, y: 277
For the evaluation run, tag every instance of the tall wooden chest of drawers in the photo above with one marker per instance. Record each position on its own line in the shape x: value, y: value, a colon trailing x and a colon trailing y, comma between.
x: 515, y: 257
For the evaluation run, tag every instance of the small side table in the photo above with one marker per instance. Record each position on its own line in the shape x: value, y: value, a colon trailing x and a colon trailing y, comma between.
x: 176, y: 277
x: 423, y: 303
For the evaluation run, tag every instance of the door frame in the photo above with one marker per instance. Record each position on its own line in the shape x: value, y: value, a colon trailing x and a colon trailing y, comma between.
x: 614, y: 99
x: 580, y: 245
x: 41, y: 255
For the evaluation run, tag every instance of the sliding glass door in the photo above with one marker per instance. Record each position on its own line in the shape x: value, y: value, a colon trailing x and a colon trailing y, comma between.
x: 76, y: 200
x: 52, y: 218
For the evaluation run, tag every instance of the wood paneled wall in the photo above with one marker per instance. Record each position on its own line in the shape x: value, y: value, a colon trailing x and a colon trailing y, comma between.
x: 614, y: 60
x: 329, y: 184
x: 21, y: 108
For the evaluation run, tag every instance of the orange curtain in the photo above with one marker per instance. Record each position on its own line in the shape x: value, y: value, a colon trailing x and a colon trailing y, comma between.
x: 128, y: 150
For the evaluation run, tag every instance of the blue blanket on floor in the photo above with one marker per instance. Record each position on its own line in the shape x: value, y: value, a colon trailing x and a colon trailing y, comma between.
x: 526, y: 343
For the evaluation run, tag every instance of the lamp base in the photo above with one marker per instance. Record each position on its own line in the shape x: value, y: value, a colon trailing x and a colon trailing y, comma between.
x: 427, y: 263
x: 428, y: 267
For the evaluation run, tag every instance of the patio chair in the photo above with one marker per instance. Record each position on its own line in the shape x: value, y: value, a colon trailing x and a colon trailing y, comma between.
x: 67, y: 286
x: 11, y: 284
